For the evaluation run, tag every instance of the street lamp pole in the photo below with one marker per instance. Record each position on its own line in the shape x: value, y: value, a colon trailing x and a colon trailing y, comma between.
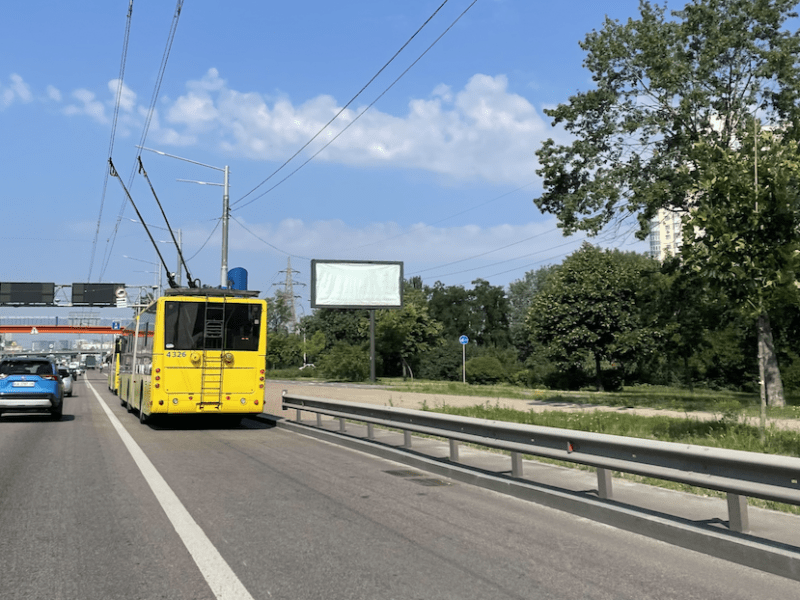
x: 226, y: 213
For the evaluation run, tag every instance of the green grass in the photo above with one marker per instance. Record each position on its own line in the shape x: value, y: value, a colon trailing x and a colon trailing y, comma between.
x: 657, y: 397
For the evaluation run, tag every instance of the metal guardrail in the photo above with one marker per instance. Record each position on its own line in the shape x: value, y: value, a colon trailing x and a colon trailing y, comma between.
x: 737, y: 473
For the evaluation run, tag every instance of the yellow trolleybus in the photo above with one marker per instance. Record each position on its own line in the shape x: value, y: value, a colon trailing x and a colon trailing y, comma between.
x: 194, y: 351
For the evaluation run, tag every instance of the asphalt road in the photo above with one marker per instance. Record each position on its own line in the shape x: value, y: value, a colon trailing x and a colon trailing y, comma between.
x: 97, y: 506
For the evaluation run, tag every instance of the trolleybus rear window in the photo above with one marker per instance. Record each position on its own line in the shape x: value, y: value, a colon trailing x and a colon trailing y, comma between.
x: 211, y: 326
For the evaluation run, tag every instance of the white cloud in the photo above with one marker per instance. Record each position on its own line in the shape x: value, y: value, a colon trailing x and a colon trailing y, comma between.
x: 53, y: 93
x: 482, y: 132
x: 417, y: 243
x: 87, y: 105
x: 127, y: 97
x: 16, y: 91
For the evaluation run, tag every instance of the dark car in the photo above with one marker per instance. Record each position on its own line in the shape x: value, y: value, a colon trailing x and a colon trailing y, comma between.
x: 30, y: 385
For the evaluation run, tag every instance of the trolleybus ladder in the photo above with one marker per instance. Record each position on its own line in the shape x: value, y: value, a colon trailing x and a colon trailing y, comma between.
x: 211, y: 382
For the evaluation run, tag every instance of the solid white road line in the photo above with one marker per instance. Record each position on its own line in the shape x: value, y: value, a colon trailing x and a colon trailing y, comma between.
x: 218, y: 574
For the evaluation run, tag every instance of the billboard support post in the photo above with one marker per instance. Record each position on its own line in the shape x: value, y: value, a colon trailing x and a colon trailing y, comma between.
x: 372, y: 346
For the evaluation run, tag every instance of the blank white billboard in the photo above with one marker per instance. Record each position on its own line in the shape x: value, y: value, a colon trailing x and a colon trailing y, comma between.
x: 356, y: 284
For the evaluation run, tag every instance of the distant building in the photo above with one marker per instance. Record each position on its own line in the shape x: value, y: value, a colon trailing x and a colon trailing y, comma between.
x: 665, y: 234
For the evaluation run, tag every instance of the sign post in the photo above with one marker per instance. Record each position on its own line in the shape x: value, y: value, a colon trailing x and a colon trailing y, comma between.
x: 464, y: 340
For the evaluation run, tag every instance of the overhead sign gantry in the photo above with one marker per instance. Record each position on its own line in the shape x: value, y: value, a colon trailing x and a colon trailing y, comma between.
x: 15, y: 293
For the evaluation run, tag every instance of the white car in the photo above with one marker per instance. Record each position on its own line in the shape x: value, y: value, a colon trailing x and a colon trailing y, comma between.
x: 66, y: 380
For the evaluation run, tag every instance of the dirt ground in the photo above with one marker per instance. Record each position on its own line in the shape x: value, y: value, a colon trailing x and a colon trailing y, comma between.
x: 384, y: 397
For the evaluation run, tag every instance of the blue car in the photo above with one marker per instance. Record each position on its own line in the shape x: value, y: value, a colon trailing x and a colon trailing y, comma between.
x: 30, y: 385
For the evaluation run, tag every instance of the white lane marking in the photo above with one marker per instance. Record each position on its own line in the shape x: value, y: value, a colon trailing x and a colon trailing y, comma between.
x: 218, y: 574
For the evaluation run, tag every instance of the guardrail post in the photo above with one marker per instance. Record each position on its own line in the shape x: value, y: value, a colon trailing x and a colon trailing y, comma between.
x: 406, y: 438
x: 737, y: 513
x: 342, y: 425
x: 370, y: 431
x: 604, y: 483
x: 516, y: 464
x: 454, y: 450
x: 319, y: 420
x: 297, y: 415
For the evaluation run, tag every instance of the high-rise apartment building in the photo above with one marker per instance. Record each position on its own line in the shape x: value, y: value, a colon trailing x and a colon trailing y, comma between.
x: 665, y: 234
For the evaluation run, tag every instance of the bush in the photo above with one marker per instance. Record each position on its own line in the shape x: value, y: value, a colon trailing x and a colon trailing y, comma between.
x: 441, y: 363
x: 485, y: 370
x: 345, y: 363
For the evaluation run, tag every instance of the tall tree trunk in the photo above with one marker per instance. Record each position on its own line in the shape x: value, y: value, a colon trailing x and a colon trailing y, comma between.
x: 769, y: 363
x: 688, y: 374
x: 598, y: 373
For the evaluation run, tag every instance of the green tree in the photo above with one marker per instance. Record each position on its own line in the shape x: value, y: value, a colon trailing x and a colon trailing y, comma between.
x: 279, y: 313
x: 673, y: 95
x: 589, y: 307
x: 520, y: 295
x: 346, y: 362
x: 338, y: 325
x: 489, y: 310
x: 743, y: 233
x: 403, y: 335
x: 284, y: 350
x: 451, y: 307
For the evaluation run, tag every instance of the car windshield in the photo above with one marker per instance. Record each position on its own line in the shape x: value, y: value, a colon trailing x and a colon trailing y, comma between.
x: 25, y: 368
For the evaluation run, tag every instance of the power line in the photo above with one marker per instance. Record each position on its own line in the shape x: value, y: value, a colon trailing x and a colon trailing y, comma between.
x: 357, y: 117
x: 527, y: 239
x: 324, y: 127
x: 267, y: 243
x: 458, y: 214
x: 117, y: 100
x: 151, y: 110
x: 499, y: 262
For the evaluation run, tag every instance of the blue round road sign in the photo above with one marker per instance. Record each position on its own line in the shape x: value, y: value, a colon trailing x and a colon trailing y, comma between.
x: 463, y: 339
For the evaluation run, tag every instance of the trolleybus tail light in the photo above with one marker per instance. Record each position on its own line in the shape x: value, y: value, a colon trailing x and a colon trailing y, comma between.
x: 161, y: 403
x: 158, y: 385
x: 158, y: 370
x: 255, y: 402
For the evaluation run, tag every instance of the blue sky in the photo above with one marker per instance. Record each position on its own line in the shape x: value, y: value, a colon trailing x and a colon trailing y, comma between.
x: 439, y: 173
